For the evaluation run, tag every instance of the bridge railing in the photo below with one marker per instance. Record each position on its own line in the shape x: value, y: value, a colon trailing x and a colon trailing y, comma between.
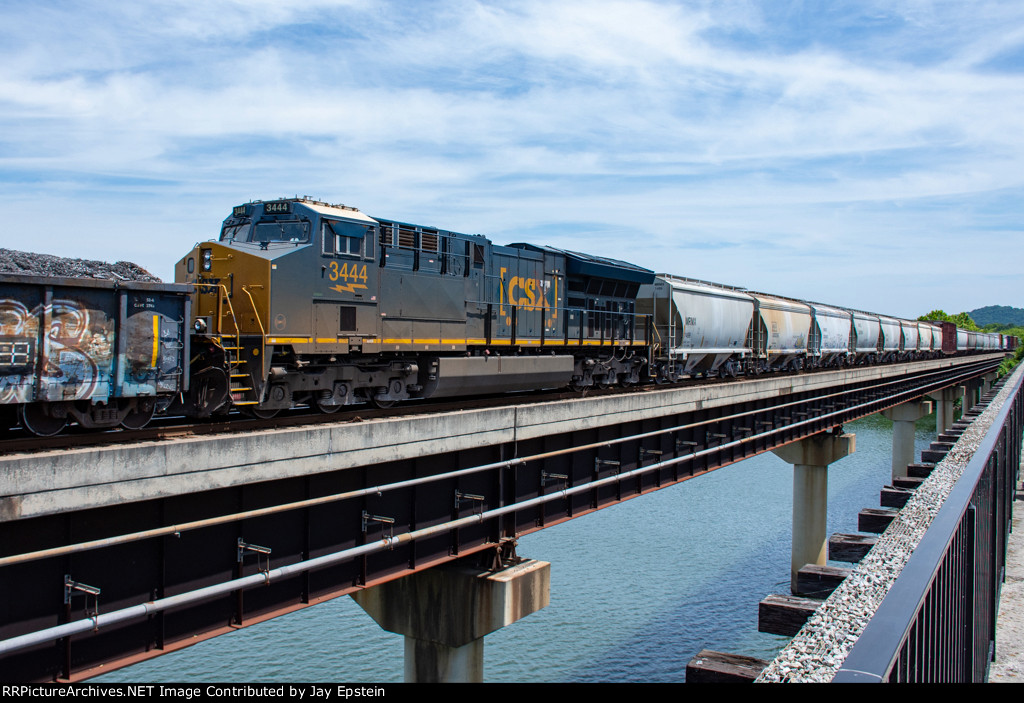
x: 937, y: 622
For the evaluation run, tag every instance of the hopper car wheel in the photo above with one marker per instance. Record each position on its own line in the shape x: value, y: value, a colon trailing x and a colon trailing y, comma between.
x: 139, y: 417
x: 38, y: 421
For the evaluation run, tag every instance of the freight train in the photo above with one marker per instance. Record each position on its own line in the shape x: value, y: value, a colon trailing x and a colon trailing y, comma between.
x: 303, y: 303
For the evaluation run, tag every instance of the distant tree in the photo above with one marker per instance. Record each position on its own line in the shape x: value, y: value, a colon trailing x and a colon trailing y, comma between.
x: 961, y: 319
x: 936, y: 315
x: 964, y: 321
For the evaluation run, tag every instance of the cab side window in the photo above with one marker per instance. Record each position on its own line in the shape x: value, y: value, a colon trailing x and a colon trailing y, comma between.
x: 342, y: 238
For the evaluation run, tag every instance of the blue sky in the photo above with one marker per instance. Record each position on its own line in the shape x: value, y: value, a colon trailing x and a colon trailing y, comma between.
x: 866, y: 154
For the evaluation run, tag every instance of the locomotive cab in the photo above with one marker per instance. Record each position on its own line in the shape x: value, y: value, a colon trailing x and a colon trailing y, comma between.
x: 285, y: 279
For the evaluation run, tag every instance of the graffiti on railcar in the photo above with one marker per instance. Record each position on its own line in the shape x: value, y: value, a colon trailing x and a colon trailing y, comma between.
x: 76, y: 357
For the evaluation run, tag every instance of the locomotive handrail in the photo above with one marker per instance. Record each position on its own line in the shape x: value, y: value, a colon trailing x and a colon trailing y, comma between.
x: 599, y: 332
x: 263, y: 330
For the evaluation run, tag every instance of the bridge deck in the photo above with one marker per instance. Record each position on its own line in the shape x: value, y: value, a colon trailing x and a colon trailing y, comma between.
x: 36, y: 484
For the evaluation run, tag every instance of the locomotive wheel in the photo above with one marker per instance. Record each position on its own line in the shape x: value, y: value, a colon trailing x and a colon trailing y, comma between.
x: 35, y: 418
x: 327, y: 409
x: 259, y: 413
x: 139, y: 417
x: 382, y: 404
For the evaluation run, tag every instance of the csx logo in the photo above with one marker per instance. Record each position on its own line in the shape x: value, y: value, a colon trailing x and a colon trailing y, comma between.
x: 528, y: 294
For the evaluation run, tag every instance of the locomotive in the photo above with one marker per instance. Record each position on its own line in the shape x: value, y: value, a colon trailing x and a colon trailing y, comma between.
x: 304, y: 303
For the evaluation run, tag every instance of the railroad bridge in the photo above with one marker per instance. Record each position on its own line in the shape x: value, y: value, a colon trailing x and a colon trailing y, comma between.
x: 115, y: 553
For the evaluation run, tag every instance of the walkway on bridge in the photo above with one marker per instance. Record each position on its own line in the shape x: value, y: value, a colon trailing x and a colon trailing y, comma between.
x: 1009, y: 664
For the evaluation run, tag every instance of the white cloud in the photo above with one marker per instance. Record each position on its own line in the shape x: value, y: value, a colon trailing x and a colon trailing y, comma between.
x: 800, y: 135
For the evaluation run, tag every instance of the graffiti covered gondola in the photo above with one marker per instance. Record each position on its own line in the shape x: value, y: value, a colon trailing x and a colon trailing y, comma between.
x: 97, y: 352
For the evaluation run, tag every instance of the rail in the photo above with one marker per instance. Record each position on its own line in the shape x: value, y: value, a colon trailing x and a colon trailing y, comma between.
x: 937, y: 622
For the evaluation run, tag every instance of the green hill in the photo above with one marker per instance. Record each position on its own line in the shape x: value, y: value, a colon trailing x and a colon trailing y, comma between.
x: 998, y: 314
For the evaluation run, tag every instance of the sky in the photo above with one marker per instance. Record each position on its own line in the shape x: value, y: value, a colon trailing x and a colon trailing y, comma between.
x: 865, y: 154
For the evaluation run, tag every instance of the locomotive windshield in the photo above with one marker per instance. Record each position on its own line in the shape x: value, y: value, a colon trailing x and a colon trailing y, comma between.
x: 281, y: 231
x: 273, y: 231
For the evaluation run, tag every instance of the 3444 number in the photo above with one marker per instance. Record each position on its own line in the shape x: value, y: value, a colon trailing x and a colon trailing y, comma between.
x: 347, y: 272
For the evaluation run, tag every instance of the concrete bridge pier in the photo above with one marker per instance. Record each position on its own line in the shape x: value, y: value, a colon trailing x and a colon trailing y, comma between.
x: 987, y: 380
x: 903, y: 418
x: 445, y: 612
x: 945, y: 400
x: 811, y: 458
x: 972, y: 394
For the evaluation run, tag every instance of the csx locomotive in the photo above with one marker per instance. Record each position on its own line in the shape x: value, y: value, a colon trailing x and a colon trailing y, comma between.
x: 302, y: 303
x: 305, y: 303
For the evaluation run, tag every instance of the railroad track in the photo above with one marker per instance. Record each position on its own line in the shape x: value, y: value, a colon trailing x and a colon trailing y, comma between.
x: 18, y: 441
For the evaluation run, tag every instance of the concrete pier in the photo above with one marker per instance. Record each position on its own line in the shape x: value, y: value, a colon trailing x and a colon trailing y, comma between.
x: 444, y: 614
x: 944, y: 401
x: 903, y: 418
x: 811, y: 458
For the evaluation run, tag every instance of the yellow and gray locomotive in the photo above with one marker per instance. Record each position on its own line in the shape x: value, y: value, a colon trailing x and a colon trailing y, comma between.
x: 305, y: 303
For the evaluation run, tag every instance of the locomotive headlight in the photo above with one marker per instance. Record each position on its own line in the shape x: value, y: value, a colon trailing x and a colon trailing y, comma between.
x: 200, y: 325
x: 207, y: 259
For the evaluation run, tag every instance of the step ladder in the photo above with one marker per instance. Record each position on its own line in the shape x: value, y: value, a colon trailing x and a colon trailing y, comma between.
x: 240, y: 386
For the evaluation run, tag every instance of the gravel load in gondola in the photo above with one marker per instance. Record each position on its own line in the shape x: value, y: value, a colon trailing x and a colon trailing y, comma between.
x: 47, y: 265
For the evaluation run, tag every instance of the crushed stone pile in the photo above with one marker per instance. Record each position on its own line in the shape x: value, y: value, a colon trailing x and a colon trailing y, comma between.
x: 24, y: 262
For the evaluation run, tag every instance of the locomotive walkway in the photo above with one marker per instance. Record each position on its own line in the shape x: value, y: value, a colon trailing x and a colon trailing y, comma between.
x: 134, y: 550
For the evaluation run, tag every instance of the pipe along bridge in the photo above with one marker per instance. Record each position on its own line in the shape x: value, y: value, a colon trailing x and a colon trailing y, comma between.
x: 114, y: 554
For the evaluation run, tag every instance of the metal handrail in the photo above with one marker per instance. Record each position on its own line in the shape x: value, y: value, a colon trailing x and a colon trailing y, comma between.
x: 879, y: 646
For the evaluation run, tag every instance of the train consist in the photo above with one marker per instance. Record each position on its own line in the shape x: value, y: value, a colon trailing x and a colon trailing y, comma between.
x: 302, y: 303
x: 709, y: 329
